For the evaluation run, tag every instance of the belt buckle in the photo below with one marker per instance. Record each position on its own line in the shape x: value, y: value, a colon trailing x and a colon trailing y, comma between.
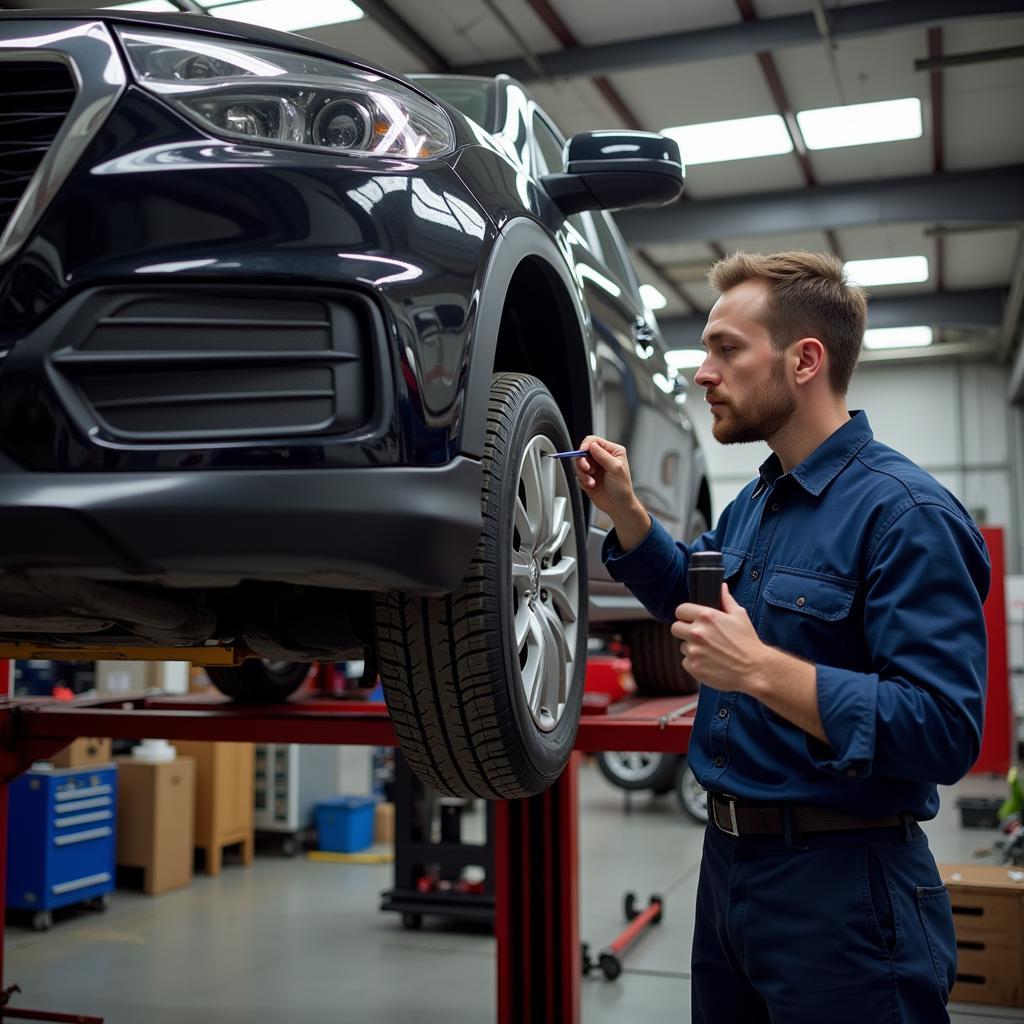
x: 730, y: 829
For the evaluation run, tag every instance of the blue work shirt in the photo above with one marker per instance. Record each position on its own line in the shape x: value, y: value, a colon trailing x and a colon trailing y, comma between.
x: 861, y: 563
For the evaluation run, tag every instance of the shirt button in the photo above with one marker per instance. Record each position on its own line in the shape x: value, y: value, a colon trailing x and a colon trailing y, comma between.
x: 801, y: 601
x: 723, y: 712
x: 755, y: 575
x: 776, y: 506
x: 719, y: 761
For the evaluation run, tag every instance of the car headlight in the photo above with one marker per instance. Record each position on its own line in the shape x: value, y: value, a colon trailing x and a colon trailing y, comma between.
x: 261, y: 94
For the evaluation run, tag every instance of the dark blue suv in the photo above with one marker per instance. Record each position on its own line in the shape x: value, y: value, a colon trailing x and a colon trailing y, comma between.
x: 286, y: 343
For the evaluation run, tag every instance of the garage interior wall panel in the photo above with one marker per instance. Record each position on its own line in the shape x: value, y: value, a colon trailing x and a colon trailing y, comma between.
x: 951, y: 418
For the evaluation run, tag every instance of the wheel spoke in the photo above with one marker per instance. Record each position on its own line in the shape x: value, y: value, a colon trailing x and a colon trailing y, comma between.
x: 520, y: 571
x: 556, y: 683
x: 559, y: 581
x: 533, y: 484
x: 536, y: 664
x: 559, y: 528
x: 523, y: 617
x: 527, y: 535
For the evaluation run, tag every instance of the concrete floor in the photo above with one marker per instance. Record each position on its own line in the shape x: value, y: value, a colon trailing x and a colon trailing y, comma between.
x: 290, y: 940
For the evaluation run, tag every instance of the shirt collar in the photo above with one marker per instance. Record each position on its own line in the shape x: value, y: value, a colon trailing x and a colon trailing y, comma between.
x: 825, y: 463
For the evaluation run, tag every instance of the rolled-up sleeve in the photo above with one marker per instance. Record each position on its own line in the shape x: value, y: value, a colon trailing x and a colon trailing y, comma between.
x: 919, y: 714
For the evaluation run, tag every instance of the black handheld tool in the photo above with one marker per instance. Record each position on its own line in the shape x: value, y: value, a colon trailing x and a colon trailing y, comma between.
x: 705, y: 578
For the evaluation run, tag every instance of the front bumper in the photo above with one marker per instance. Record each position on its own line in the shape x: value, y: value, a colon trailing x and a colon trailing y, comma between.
x: 366, y: 529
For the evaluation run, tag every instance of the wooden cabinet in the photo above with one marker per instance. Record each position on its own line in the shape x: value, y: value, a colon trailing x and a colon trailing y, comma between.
x: 988, y: 911
x: 224, y: 799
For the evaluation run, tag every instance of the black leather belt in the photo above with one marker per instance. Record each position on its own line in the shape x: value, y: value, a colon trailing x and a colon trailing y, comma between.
x: 739, y: 819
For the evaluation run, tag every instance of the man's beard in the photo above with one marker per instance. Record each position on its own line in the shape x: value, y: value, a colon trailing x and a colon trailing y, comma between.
x: 764, y: 415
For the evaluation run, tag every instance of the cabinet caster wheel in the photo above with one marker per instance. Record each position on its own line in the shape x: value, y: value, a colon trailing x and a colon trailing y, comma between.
x: 289, y: 847
x: 99, y: 903
x: 411, y: 921
x: 42, y: 921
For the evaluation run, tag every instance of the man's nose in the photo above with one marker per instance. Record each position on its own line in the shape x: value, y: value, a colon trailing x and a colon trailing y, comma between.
x: 706, y: 376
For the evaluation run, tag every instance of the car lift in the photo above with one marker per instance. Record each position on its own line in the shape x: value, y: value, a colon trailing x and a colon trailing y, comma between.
x: 535, y: 840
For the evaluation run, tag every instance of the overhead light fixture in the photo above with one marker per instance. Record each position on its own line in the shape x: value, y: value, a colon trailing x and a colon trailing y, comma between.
x: 861, y: 124
x: 286, y: 15
x: 685, y: 358
x: 898, y: 337
x: 739, y: 139
x: 653, y: 299
x: 890, y: 270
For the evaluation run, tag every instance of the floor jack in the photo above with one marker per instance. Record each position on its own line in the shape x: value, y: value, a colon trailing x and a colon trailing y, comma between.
x: 639, y: 920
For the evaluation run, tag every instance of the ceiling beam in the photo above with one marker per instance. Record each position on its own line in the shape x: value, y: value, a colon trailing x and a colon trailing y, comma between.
x: 938, y: 143
x: 957, y: 60
x: 991, y: 195
x: 1014, y: 310
x: 733, y: 40
x: 982, y: 308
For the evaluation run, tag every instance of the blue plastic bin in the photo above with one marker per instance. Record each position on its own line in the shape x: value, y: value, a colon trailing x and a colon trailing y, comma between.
x: 344, y: 824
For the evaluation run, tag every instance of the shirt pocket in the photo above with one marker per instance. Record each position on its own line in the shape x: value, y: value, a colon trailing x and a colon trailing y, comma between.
x: 808, y: 614
x: 732, y: 563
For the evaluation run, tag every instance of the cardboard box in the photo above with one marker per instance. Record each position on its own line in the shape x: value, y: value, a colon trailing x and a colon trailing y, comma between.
x: 84, y: 750
x: 988, y: 912
x: 155, y: 820
x: 384, y: 823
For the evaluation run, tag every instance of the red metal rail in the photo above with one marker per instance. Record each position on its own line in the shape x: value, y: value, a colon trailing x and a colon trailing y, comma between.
x: 536, y: 846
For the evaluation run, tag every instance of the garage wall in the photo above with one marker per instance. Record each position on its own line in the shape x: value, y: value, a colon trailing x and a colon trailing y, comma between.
x: 953, y: 419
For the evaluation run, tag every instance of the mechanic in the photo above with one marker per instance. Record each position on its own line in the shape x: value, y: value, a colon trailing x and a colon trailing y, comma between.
x: 843, y: 678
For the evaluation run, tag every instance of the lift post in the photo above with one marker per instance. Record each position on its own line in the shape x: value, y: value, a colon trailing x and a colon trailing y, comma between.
x: 536, y: 840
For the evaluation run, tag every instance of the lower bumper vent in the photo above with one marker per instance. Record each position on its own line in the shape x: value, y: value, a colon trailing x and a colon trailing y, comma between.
x: 167, y: 368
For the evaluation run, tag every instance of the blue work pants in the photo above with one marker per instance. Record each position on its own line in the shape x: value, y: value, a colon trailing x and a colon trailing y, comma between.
x: 828, y: 928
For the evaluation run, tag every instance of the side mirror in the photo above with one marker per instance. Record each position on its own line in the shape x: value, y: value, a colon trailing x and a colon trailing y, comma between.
x: 612, y: 170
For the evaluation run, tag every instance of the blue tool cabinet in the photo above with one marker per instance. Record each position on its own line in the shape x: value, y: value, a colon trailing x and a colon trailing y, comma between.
x: 60, y: 845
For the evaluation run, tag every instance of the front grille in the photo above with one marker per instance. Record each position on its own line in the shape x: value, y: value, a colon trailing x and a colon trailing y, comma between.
x: 195, y: 366
x: 35, y: 97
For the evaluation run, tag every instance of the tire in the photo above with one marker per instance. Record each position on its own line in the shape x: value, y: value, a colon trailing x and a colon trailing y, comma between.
x: 693, y: 798
x: 654, y: 651
x: 453, y: 667
x: 260, y: 682
x: 657, y: 662
x: 637, y: 769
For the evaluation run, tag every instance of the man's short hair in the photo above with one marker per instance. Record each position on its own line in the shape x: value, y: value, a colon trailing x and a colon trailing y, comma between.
x: 809, y: 297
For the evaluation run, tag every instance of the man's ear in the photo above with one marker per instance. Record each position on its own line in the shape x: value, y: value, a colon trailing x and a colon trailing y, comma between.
x: 810, y: 359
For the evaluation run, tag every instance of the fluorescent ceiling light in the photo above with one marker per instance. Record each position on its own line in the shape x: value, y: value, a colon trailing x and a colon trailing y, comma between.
x: 861, y: 124
x: 286, y: 15
x: 153, y: 6
x: 740, y: 139
x: 891, y: 270
x: 653, y: 299
x: 685, y: 358
x: 898, y: 337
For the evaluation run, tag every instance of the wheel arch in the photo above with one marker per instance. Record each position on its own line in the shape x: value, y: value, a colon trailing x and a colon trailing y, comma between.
x: 526, y: 289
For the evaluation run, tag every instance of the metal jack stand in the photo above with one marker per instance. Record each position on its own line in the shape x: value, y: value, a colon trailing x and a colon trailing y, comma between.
x: 535, y: 841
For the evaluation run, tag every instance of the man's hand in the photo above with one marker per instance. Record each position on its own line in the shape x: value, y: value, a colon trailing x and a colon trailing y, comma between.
x: 720, y: 648
x: 604, y: 477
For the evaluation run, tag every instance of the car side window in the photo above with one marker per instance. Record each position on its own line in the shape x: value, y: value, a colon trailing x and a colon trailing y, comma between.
x: 613, y: 251
x: 549, y: 147
x: 549, y: 159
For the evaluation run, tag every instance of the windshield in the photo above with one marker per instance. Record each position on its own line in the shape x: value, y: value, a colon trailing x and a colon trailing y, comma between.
x: 474, y: 97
